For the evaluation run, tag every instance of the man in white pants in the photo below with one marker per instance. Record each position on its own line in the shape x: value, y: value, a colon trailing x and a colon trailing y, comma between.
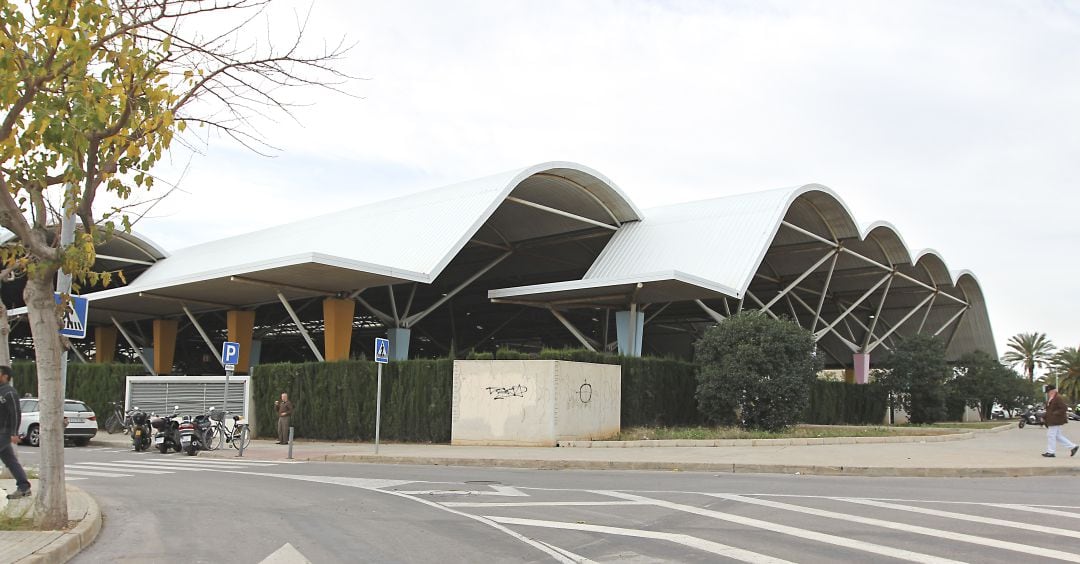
x: 1056, y: 417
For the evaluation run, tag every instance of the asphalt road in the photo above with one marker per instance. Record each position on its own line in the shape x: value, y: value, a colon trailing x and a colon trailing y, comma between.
x: 174, y: 508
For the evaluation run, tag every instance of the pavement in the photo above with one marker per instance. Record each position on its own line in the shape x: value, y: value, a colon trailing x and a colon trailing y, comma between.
x: 1005, y: 451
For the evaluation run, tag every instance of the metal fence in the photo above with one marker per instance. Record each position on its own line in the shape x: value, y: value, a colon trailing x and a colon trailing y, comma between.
x: 194, y: 394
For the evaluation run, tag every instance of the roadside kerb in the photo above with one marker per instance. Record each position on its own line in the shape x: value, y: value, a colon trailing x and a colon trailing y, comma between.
x: 55, y: 547
x: 801, y: 441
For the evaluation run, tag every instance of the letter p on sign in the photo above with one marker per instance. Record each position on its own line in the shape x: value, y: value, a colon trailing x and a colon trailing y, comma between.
x: 230, y: 353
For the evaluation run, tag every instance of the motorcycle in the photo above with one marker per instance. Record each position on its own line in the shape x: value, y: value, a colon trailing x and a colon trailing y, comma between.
x: 196, y: 433
x: 168, y: 432
x: 1032, y: 416
x: 140, y: 429
x: 1074, y: 413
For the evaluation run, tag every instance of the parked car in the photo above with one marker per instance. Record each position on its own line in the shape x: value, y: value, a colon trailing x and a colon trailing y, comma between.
x: 80, y: 422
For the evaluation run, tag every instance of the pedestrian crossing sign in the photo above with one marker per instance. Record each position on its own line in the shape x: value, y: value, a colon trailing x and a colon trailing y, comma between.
x: 382, y: 350
x: 73, y: 322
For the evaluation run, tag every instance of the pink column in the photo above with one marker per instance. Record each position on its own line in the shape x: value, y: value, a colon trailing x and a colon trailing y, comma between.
x: 861, y: 362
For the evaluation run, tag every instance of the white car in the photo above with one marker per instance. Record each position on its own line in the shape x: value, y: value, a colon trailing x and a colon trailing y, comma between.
x: 80, y: 422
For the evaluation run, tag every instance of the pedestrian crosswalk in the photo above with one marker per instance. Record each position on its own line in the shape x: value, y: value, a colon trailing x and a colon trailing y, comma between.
x: 163, y: 465
x: 593, y: 525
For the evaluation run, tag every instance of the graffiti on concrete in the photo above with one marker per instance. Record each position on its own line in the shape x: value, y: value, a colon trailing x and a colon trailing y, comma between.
x: 585, y: 392
x: 498, y: 393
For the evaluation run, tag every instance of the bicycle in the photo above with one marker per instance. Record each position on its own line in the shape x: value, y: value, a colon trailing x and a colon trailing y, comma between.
x: 118, y: 420
x: 239, y: 435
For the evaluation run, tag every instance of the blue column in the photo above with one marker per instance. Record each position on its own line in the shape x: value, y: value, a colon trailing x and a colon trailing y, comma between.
x: 623, y: 324
x: 399, y: 342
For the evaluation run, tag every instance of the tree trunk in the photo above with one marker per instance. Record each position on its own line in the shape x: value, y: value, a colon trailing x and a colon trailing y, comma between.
x: 50, y: 500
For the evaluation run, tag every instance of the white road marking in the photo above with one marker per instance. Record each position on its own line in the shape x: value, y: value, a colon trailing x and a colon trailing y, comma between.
x: 209, y: 462
x: 948, y: 535
x: 501, y: 491
x: 540, y: 503
x: 181, y: 464
x: 784, y: 529
x: 98, y: 474
x: 111, y: 466
x: 559, y: 554
x: 164, y: 465
x: 1036, y: 509
x: 964, y: 517
x: 286, y: 555
x: 685, y: 540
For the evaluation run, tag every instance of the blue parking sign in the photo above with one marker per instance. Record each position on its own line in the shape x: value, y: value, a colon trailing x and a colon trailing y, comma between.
x: 73, y: 324
x: 230, y: 353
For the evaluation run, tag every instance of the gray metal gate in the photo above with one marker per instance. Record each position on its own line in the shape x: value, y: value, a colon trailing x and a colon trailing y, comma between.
x: 194, y: 394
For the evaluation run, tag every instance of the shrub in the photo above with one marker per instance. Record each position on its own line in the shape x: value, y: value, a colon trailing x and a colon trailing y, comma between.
x: 755, y: 371
x: 916, y: 372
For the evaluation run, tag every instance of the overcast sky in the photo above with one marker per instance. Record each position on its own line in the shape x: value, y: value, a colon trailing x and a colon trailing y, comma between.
x: 956, y: 121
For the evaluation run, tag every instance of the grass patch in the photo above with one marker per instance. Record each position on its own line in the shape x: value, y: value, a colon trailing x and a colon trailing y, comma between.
x: 960, y: 424
x: 17, y: 517
x: 796, y: 432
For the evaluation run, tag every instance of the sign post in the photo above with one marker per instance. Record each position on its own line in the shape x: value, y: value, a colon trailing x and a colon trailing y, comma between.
x: 230, y: 356
x: 382, y: 356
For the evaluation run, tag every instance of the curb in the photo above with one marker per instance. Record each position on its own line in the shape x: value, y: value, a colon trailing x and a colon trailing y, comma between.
x: 716, y: 467
x: 769, y: 442
x: 70, y: 543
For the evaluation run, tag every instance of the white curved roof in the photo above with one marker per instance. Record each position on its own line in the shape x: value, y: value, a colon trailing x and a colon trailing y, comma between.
x: 409, y: 238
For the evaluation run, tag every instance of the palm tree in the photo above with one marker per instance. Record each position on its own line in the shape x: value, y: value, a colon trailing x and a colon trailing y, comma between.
x: 1065, y: 366
x: 1033, y: 350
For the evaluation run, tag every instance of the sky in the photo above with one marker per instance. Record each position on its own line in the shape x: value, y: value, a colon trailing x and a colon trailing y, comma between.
x: 956, y: 121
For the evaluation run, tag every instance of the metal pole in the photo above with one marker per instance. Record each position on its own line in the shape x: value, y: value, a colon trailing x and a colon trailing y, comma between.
x: 378, y: 408
x: 63, y: 286
x: 225, y: 401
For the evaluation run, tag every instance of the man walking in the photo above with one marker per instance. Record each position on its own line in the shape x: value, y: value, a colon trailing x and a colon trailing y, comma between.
x: 10, y: 417
x: 284, y: 409
x: 1056, y: 417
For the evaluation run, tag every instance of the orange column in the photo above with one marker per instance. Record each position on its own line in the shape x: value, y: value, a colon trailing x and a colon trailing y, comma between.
x: 104, y: 344
x: 164, y: 345
x: 338, y: 322
x: 241, y: 326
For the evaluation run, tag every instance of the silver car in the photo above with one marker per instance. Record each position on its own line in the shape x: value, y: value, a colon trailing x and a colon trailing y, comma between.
x: 80, y: 422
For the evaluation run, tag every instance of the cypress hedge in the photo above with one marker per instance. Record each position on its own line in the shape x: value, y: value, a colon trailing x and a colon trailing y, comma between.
x: 840, y: 403
x: 94, y: 384
x: 336, y: 400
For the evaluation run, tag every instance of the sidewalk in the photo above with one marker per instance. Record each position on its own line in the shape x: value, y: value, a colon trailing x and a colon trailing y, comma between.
x: 1012, y: 452
x: 52, y: 547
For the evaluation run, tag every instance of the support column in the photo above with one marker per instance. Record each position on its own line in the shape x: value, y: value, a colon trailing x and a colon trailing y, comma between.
x: 629, y: 325
x: 241, y: 325
x: 338, y: 324
x: 164, y: 345
x: 861, y: 364
x: 104, y: 344
x: 399, y: 342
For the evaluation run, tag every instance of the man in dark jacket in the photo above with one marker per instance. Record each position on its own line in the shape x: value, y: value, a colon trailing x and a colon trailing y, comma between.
x: 1056, y: 417
x: 10, y: 417
x: 284, y: 409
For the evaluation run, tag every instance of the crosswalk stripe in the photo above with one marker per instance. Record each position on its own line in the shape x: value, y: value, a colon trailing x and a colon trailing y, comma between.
x: 948, y: 535
x: 685, y: 540
x: 166, y: 466
x: 963, y: 517
x: 210, y: 462
x: 787, y: 530
x: 180, y: 464
x: 1041, y: 510
x: 100, y: 474
x: 111, y: 466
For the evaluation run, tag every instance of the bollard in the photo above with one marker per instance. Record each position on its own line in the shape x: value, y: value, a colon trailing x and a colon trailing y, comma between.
x: 290, y: 442
x: 241, y: 454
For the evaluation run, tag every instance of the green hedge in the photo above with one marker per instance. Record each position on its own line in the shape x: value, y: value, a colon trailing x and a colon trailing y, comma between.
x: 840, y: 403
x: 336, y: 400
x: 95, y: 384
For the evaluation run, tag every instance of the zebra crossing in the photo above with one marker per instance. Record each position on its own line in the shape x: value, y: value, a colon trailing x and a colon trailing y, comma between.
x: 773, y: 528
x: 127, y: 468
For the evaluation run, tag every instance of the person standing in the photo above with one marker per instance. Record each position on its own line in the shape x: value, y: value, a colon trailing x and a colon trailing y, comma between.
x: 1056, y: 417
x: 284, y: 409
x: 10, y: 418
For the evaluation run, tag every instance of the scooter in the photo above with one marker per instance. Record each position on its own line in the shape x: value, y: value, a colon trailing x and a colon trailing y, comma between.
x: 195, y: 434
x: 1074, y: 413
x: 140, y: 430
x: 1032, y: 416
x: 168, y: 432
